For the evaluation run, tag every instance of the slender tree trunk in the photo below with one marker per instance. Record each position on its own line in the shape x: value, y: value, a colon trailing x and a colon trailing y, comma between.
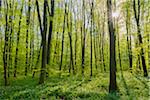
x: 137, y: 18
x: 39, y: 18
x: 10, y: 44
x: 113, y: 83
x: 103, y: 38
x: 5, y: 52
x: 95, y: 51
x: 62, y: 45
x: 118, y: 38
x: 31, y: 54
x: 70, y: 38
x: 69, y: 26
x: 56, y: 46
x: 32, y: 42
x: 83, y: 39
x: 76, y: 39
x: 148, y: 38
x: 91, y: 31
x: 41, y: 47
x: 129, y: 45
x: 17, y: 47
x: 50, y: 31
x: 27, y: 37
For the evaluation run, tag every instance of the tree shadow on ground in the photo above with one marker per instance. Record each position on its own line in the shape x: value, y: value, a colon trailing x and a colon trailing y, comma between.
x: 125, y: 84
x: 142, y: 81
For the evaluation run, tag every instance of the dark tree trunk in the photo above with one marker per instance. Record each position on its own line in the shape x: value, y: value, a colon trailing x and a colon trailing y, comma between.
x: 56, y: 46
x: 69, y: 26
x: 70, y: 38
x: 50, y: 31
x: 17, y: 47
x: 113, y: 83
x: 27, y: 37
x: 83, y: 39
x: 148, y: 38
x: 10, y: 37
x: 5, y: 52
x: 62, y: 45
x: 91, y: 31
x: 137, y: 18
x: 43, y: 67
x: 39, y: 18
x: 71, y: 52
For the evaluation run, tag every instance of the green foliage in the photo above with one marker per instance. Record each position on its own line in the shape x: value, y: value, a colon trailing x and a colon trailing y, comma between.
x: 62, y: 84
x: 131, y: 87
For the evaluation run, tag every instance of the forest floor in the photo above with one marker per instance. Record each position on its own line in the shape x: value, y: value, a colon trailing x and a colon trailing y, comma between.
x: 65, y: 87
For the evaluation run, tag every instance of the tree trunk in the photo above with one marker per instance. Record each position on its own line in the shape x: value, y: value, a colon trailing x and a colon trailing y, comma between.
x: 17, y: 48
x: 83, y: 39
x: 27, y: 37
x: 129, y: 45
x: 91, y: 31
x: 50, y: 31
x: 113, y: 83
x: 137, y: 18
x: 103, y: 38
x: 43, y: 67
x: 62, y: 45
x: 5, y: 52
x: 118, y: 38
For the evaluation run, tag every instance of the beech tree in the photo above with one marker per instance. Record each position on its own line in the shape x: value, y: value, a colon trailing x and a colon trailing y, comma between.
x: 113, y: 83
x: 137, y: 19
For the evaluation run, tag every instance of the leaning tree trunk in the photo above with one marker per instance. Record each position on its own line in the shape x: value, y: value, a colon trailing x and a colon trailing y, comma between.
x: 137, y: 18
